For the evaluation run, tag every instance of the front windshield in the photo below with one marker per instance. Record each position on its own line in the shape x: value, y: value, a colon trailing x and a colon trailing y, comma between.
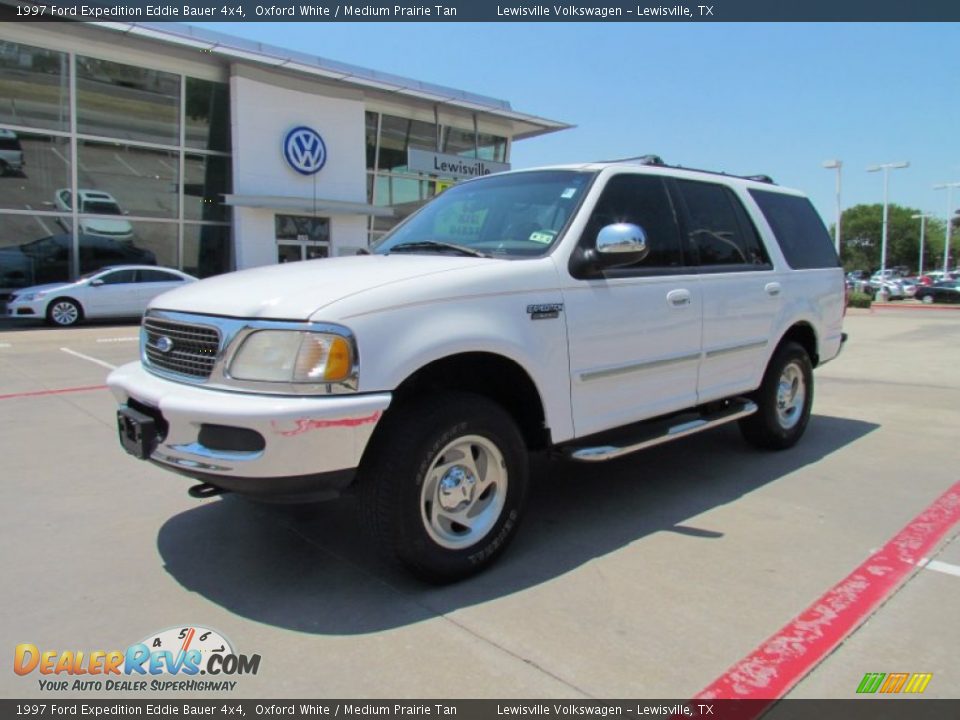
x: 513, y: 215
x: 101, y: 207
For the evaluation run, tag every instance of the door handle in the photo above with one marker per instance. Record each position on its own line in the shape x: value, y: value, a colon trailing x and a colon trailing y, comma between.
x: 772, y: 289
x: 678, y: 298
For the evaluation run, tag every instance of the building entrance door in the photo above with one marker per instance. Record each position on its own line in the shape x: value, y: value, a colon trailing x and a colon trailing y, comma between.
x: 302, y: 237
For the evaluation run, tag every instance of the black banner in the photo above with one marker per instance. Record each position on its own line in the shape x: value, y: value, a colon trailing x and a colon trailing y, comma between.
x: 858, y: 709
x: 642, y: 11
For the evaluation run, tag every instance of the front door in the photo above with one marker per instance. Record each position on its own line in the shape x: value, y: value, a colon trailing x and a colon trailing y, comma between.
x: 635, y: 331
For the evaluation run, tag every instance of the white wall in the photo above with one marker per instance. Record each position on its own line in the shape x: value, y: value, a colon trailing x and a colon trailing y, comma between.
x: 263, y: 109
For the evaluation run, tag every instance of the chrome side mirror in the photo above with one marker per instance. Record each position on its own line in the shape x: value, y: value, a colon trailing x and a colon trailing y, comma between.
x: 621, y: 244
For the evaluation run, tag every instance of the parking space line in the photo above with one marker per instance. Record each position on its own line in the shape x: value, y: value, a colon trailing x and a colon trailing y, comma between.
x: 127, y: 165
x: 40, y: 393
x: 107, y: 365
x: 5, y: 345
x: 785, y: 658
x: 940, y: 567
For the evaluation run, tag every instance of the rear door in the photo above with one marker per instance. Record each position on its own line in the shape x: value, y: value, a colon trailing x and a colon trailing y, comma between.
x: 742, y: 296
x: 152, y: 283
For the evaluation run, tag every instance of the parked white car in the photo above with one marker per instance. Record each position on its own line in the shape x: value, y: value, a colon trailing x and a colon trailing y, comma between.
x: 120, y: 291
x: 11, y: 153
x: 96, y: 202
x: 590, y: 310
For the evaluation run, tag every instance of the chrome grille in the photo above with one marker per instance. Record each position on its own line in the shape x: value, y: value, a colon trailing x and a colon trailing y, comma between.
x: 190, y: 349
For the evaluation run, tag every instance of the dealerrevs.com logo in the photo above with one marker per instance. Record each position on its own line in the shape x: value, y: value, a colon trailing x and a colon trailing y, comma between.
x: 170, y: 660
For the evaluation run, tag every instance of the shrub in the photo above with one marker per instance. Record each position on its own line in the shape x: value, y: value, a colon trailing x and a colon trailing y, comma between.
x: 859, y: 300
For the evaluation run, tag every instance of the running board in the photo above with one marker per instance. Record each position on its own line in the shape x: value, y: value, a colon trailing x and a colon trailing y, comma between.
x: 658, y: 435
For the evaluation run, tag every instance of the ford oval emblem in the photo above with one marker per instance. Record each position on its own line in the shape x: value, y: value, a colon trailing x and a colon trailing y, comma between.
x: 304, y: 150
x: 164, y: 344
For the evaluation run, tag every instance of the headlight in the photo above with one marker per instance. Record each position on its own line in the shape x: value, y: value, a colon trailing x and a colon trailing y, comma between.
x: 30, y: 297
x: 293, y: 356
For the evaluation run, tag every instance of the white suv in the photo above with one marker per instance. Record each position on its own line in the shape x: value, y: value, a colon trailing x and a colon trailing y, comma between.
x: 591, y: 310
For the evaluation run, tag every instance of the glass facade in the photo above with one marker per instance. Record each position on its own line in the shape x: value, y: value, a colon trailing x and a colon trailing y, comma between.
x: 390, y: 183
x: 105, y: 163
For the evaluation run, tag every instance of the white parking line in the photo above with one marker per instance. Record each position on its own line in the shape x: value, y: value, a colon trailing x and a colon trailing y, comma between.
x: 167, y: 165
x: 940, y: 567
x: 89, y: 359
x: 127, y: 165
x: 5, y: 345
x: 132, y: 338
x: 39, y: 220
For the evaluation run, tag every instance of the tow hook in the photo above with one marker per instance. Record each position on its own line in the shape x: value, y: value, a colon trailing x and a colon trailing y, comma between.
x: 205, y: 490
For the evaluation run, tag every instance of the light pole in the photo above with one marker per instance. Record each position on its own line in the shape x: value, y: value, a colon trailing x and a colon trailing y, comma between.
x: 950, y: 212
x: 886, y: 167
x: 923, y: 224
x: 830, y: 165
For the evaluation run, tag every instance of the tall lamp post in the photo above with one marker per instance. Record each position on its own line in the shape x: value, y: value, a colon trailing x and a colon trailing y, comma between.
x: 922, y: 217
x: 886, y: 167
x: 830, y: 165
x: 946, y: 245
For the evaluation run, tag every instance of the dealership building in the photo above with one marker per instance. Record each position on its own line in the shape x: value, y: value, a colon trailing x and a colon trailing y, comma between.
x: 164, y: 143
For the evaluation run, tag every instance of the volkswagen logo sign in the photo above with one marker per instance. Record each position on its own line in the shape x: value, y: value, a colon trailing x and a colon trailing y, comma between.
x: 164, y: 344
x: 304, y: 150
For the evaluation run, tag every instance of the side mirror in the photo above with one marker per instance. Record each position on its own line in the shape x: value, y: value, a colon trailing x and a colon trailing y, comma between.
x: 96, y: 282
x: 621, y: 244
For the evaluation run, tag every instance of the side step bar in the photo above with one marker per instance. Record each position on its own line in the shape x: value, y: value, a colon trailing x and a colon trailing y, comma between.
x: 658, y: 434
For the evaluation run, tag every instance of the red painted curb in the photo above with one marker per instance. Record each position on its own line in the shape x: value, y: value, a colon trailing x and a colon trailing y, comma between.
x: 782, y: 660
x: 40, y: 393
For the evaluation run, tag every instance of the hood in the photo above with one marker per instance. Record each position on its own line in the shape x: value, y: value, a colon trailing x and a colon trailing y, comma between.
x: 106, y: 228
x: 49, y: 287
x: 295, y: 291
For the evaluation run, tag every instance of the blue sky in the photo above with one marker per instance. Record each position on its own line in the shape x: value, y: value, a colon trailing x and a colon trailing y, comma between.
x: 745, y: 98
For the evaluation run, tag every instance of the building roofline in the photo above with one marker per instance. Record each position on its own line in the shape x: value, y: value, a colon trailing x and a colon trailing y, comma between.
x: 271, y: 56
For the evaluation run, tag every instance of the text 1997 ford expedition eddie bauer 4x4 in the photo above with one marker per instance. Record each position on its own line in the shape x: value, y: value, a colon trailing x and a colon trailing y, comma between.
x: 592, y: 310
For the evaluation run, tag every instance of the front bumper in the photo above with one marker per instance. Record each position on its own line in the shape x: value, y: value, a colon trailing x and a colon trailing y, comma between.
x: 303, y: 437
x: 26, y: 309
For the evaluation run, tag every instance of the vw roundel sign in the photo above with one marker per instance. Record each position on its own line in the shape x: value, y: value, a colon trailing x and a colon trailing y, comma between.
x: 304, y: 150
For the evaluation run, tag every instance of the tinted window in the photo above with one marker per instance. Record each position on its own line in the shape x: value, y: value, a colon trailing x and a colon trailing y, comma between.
x: 799, y: 230
x: 151, y: 276
x: 641, y: 200
x: 719, y: 228
x: 118, y: 277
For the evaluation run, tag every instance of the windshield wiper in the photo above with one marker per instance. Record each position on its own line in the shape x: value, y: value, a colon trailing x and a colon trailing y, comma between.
x: 438, y: 245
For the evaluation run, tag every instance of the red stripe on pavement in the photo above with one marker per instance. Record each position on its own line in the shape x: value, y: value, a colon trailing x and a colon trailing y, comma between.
x: 785, y: 658
x: 40, y: 393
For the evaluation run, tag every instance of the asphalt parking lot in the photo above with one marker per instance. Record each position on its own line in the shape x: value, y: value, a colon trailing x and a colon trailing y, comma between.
x: 648, y: 577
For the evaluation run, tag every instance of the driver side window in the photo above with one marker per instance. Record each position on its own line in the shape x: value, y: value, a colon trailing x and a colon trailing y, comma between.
x: 641, y: 200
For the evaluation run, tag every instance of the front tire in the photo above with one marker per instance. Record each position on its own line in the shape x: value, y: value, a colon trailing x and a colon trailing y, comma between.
x: 64, y: 312
x: 443, y: 485
x: 927, y: 299
x: 784, y: 400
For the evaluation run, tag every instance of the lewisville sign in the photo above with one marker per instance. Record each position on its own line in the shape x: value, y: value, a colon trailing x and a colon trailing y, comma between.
x: 452, y: 166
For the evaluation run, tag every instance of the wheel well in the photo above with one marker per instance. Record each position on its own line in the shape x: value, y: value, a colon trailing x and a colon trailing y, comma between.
x: 493, y: 376
x: 64, y: 297
x: 804, y: 335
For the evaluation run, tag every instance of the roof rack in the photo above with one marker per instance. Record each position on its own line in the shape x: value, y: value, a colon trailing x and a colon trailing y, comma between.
x: 639, y: 160
x: 657, y: 161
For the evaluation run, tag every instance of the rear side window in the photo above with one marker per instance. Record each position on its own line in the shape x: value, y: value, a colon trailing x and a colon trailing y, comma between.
x: 720, y: 229
x: 151, y: 276
x: 803, y: 238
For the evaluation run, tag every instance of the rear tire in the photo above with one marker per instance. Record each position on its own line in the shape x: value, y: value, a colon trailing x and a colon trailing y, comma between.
x: 927, y: 299
x: 784, y: 400
x: 443, y: 484
x: 64, y: 312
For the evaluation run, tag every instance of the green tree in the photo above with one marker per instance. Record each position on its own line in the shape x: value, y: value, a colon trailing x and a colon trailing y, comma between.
x: 862, y: 233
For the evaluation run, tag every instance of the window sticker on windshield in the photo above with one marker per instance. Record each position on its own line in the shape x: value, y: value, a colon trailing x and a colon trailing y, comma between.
x: 568, y: 193
x: 544, y: 237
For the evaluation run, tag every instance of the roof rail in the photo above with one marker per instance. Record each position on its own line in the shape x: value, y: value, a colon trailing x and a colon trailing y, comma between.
x: 639, y: 160
x: 657, y: 161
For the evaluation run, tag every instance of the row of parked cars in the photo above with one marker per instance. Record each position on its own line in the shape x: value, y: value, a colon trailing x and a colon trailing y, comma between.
x: 933, y: 287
